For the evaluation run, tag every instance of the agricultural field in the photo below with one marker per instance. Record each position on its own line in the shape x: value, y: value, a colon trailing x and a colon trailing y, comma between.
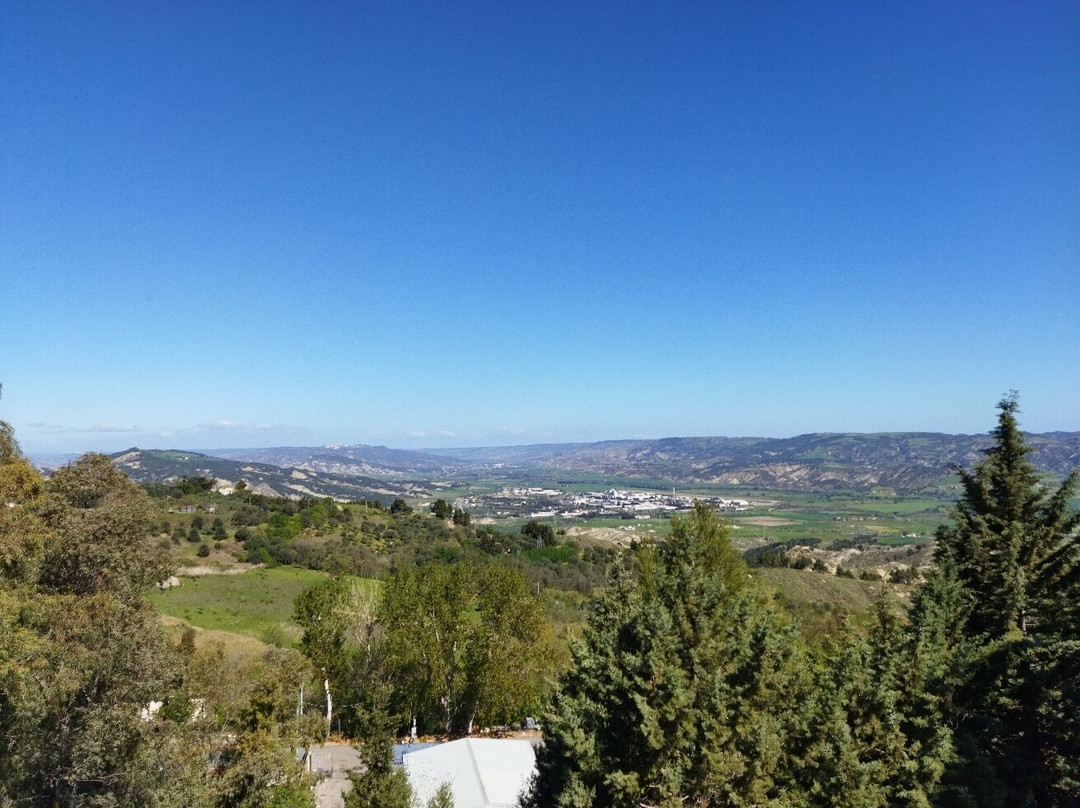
x: 772, y: 516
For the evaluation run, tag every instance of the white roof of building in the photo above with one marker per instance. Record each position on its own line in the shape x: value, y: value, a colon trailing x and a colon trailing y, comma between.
x: 482, y: 772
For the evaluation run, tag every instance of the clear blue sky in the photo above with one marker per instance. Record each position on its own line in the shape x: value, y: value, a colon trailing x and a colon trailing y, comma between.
x: 230, y: 224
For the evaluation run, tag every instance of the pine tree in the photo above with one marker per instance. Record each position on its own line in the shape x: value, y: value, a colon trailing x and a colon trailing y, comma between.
x: 681, y: 690
x: 1014, y: 551
x: 1014, y: 542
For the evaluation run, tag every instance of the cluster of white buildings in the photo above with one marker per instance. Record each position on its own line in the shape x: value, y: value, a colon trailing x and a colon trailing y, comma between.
x: 549, y: 503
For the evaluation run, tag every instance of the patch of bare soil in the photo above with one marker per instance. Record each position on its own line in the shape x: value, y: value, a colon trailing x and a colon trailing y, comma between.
x: 764, y: 521
x: 621, y: 536
x: 197, y: 572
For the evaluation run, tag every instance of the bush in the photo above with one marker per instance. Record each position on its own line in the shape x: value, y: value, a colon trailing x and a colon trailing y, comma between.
x: 203, y: 551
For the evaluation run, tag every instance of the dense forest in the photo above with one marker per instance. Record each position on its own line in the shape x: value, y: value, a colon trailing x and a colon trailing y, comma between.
x: 686, y: 683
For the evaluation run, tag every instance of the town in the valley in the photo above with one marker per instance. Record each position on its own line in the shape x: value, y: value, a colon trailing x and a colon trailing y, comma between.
x: 551, y: 503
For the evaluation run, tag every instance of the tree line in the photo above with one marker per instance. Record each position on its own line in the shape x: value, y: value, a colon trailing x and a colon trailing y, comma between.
x: 688, y: 685
x: 98, y: 707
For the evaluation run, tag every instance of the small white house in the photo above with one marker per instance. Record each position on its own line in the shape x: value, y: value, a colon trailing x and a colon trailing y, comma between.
x: 481, y: 772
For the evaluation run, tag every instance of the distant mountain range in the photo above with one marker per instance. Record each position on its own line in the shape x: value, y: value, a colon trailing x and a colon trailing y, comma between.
x: 157, y: 466
x: 820, y: 461
x: 359, y: 460
x: 904, y: 461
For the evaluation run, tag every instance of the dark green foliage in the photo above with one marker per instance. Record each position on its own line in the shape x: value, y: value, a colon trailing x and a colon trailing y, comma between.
x: 1013, y: 554
x: 776, y: 554
x: 904, y: 575
x: 378, y: 784
x: 1014, y: 541
x: 81, y: 653
x: 878, y: 736
x: 679, y: 689
x: 262, y: 549
x: 444, y: 798
x: 400, y: 506
x: 193, y: 485
x: 560, y: 553
x: 442, y: 510
x: 542, y: 534
x: 203, y: 551
x: 83, y: 656
x: 689, y: 688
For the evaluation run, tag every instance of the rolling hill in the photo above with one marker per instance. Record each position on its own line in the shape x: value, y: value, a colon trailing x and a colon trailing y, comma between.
x: 163, y: 466
x: 904, y: 461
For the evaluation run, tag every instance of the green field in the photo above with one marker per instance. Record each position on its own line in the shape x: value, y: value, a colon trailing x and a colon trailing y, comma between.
x: 258, y: 603
x: 888, y: 519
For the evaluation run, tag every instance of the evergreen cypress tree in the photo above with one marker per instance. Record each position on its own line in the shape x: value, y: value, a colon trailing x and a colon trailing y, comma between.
x: 681, y: 690
x: 1014, y: 551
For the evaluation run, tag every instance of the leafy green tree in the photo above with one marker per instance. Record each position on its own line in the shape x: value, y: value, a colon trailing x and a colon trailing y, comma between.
x: 425, y: 613
x: 461, y: 517
x: 100, y: 524
x: 400, y: 507
x: 441, y: 508
x: 218, y: 528
x: 84, y: 660
x: 81, y: 652
x: 505, y: 655
x: 319, y: 610
x: 462, y: 643
x: 260, y: 769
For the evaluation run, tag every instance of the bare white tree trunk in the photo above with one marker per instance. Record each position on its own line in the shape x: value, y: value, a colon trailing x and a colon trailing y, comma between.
x: 329, y: 704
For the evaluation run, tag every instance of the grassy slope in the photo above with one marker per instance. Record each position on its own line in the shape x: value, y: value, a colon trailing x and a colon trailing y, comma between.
x: 255, y: 604
x: 821, y: 602
x: 817, y: 590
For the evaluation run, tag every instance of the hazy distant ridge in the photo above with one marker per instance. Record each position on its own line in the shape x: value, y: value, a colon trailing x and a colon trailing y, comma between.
x: 903, y: 460
x: 165, y: 466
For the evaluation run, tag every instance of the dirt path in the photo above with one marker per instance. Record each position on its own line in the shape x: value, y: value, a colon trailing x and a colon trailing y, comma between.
x: 330, y: 792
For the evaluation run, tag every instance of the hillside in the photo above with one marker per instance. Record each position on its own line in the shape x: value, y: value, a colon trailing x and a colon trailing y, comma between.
x: 904, y: 461
x: 157, y: 466
x: 357, y: 460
